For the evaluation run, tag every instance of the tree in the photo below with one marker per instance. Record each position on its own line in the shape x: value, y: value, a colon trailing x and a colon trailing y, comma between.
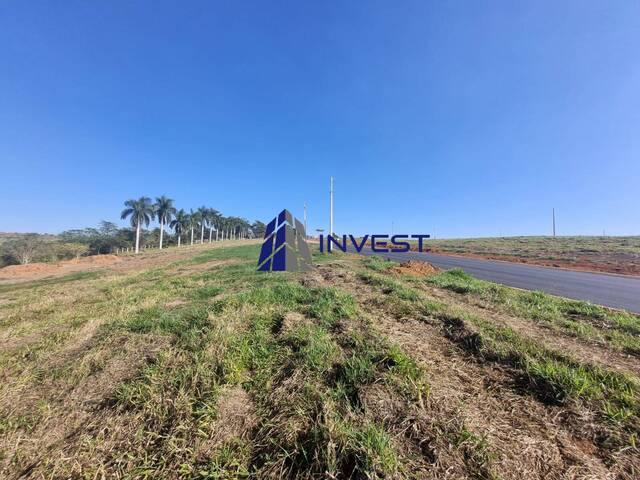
x: 105, y: 239
x: 108, y: 229
x: 258, y: 228
x: 25, y: 249
x: 141, y: 212
x: 194, y: 221
x: 203, y: 213
x: 70, y: 250
x: 245, y: 226
x: 218, y: 219
x: 212, y: 219
x: 224, y: 222
x: 231, y: 223
x: 237, y: 227
x: 231, y: 226
x: 180, y: 223
x: 165, y: 211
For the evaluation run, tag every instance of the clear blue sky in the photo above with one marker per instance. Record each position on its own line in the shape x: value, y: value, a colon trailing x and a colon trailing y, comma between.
x: 470, y: 118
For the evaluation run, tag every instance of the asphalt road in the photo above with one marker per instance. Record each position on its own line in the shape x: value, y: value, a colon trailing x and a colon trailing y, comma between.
x: 610, y: 290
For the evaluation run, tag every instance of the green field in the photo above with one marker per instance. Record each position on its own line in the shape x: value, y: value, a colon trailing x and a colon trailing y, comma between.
x: 205, y: 368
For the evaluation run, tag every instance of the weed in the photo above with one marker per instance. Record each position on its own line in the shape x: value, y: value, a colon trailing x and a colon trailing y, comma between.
x: 390, y: 286
x: 377, y: 264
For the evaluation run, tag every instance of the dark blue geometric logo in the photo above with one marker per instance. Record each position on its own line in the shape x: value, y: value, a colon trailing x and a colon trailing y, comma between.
x: 285, y: 248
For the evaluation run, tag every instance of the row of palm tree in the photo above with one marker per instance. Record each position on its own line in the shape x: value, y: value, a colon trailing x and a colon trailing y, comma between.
x: 143, y: 211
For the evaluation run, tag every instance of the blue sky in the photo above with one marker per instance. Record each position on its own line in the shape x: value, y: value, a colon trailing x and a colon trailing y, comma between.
x: 459, y: 118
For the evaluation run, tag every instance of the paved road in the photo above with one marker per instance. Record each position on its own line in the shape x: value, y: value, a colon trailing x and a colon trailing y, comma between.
x: 610, y: 290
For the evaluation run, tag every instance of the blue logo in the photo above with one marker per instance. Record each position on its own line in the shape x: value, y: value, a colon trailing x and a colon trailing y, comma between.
x: 285, y: 248
x: 377, y: 243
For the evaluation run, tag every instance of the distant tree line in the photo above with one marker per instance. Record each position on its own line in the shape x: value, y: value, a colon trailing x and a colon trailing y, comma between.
x: 32, y: 247
x: 196, y: 226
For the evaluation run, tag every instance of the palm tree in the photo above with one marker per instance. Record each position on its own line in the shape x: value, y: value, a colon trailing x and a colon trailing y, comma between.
x: 141, y: 211
x: 165, y: 211
x: 218, y: 221
x: 224, y: 223
x: 194, y: 221
x: 237, y: 227
x: 233, y: 227
x: 244, y: 227
x: 231, y: 221
x: 220, y: 227
x: 180, y: 223
x: 212, y: 217
x: 203, y: 216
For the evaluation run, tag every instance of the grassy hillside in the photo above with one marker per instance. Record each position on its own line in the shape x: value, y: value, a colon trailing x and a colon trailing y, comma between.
x: 200, y: 367
x: 608, y: 254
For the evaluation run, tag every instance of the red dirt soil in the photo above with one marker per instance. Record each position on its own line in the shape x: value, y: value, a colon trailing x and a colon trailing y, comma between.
x: 416, y: 269
x: 115, y: 263
x: 43, y: 269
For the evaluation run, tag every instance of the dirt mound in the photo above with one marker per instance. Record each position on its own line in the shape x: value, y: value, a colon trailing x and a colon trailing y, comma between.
x: 19, y: 270
x: 416, y: 269
x: 94, y: 260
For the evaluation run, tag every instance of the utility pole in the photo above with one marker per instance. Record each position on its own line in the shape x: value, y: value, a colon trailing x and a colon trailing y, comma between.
x: 331, y: 206
x: 305, y: 219
x: 554, y: 222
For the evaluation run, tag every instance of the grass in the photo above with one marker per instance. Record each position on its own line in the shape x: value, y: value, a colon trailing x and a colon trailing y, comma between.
x: 553, y: 376
x: 134, y: 372
x: 620, y: 330
x: 226, y: 327
x: 309, y: 426
x: 321, y: 430
x: 377, y: 264
x: 313, y: 348
x: 389, y: 285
